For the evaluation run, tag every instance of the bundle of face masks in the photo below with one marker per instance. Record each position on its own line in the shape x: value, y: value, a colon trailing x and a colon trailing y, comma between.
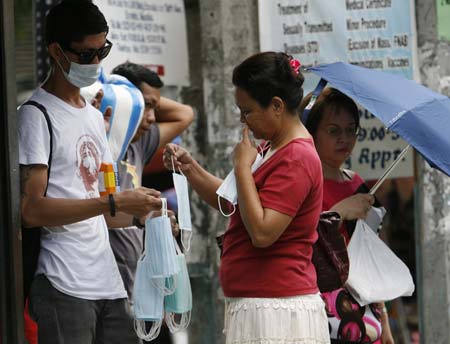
x: 162, y: 283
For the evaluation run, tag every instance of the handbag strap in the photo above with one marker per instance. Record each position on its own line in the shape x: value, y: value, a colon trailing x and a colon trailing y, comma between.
x: 50, y: 130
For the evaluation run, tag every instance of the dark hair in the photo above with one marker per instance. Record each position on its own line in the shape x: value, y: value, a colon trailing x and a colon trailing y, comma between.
x: 330, y: 100
x: 73, y: 20
x: 267, y: 75
x: 138, y: 74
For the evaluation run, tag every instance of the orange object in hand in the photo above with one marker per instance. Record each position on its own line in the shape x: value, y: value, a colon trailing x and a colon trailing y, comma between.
x: 107, y: 181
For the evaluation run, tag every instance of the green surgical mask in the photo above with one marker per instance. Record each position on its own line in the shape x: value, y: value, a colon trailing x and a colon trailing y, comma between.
x: 180, y: 302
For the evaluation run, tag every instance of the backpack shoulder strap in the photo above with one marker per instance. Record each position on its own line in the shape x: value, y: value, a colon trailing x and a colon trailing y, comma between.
x: 49, y: 125
x: 31, y: 242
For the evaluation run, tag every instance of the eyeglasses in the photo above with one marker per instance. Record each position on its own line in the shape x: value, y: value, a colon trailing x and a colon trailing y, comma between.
x: 350, y: 132
x: 86, y: 56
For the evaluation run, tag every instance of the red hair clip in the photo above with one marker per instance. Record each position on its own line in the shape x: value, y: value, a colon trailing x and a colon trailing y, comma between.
x: 295, y: 65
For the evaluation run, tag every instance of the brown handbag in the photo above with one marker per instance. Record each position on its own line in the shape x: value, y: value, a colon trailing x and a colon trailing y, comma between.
x: 330, y: 256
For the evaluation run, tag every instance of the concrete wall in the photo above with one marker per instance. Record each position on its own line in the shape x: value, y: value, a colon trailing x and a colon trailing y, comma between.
x: 433, y: 193
x: 220, y: 35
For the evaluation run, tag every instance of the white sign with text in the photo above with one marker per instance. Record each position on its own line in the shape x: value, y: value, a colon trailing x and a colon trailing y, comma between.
x: 377, y: 34
x: 151, y: 33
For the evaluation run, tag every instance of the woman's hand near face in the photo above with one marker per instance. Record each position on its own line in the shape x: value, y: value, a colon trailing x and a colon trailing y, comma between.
x: 245, y: 152
x: 354, y: 207
x: 181, y: 158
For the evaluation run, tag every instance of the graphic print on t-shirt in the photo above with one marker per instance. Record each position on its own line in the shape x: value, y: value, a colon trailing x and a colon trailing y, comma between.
x: 88, y: 164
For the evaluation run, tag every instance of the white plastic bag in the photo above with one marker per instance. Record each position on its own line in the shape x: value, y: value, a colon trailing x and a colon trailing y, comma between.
x: 376, y: 273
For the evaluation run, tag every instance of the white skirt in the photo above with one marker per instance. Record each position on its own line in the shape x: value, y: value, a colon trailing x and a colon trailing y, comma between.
x: 287, y: 320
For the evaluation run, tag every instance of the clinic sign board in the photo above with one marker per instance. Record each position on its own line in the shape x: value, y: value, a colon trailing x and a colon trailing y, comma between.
x: 151, y: 33
x: 377, y: 34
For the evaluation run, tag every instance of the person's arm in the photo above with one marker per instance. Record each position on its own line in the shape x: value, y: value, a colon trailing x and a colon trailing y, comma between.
x: 203, y: 182
x: 386, y: 334
x: 122, y: 220
x: 172, y: 119
x: 119, y: 221
x: 39, y: 210
x: 354, y: 207
x: 263, y: 225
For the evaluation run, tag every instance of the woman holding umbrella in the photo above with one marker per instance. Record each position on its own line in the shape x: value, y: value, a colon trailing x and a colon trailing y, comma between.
x: 333, y: 121
x: 266, y: 270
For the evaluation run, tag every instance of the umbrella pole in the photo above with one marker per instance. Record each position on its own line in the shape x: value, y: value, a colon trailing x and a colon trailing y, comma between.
x: 388, y: 171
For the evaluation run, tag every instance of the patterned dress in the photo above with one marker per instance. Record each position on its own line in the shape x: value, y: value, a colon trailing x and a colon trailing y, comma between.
x: 348, y: 322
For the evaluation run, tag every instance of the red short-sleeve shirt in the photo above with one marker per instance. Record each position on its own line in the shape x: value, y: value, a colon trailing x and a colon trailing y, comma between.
x: 289, y: 182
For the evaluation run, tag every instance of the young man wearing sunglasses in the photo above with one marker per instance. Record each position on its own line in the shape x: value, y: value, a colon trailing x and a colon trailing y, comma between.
x: 77, y: 295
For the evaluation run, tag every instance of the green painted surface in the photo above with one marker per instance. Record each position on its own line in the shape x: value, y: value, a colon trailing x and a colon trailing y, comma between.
x: 443, y: 16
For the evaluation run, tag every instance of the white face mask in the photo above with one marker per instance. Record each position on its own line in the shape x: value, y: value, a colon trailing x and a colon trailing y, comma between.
x: 80, y: 75
x: 228, y: 189
x: 184, y: 211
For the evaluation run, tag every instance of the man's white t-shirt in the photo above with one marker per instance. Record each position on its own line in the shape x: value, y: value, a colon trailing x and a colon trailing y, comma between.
x: 77, y: 258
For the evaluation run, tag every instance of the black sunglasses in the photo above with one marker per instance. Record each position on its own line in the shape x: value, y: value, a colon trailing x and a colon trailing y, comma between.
x: 86, y: 56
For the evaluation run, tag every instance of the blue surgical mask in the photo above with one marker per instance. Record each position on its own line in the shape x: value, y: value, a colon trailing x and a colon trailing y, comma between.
x: 80, y: 75
x: 160, y: 249
x: 148, y: 302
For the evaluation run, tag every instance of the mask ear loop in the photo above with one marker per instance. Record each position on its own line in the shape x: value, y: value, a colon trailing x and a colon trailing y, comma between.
x: 181, y: 172
x: 221, y: 210
x: 263, y: 148
x: 164, y: 207
x: 172, y: 324
x: 152, y: 333
x: 173, y: 165
x: 189, y: 237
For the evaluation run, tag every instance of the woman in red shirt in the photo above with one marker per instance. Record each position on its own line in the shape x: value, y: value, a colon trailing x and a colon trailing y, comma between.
x: 333, y: 121
x: 266, y: 271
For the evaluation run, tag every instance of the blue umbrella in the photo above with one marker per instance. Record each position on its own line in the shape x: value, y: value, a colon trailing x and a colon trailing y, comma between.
x: 419, y: 115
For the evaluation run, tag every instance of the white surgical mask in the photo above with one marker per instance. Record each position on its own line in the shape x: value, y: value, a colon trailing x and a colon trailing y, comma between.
x: 184, y: 210
x: 228, y: 190
x: 80, y: 75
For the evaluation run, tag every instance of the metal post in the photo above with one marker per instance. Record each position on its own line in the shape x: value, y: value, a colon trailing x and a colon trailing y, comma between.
x: 11, y: 305
x: 432, y: 196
